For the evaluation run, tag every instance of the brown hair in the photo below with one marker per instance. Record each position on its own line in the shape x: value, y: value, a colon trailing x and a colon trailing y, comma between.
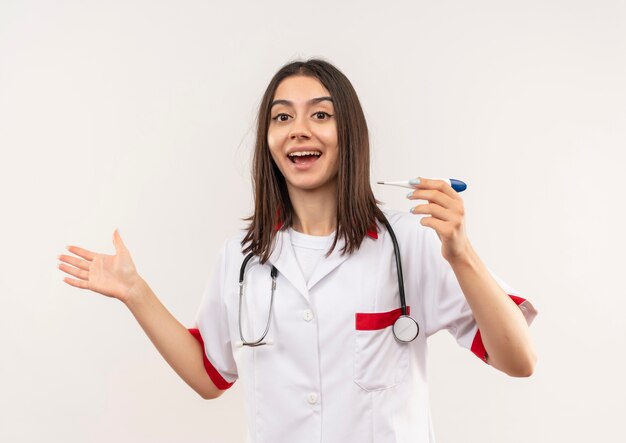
x: 357, y: 208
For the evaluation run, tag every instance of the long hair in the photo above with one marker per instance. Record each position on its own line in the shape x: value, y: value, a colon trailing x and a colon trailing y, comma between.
x: 357, y: 209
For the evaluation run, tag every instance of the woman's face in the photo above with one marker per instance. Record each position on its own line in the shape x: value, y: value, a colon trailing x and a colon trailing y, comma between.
x: 302, y: 133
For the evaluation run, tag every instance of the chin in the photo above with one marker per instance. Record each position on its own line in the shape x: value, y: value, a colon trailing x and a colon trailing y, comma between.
x: 304, y: 185
x: 307, y: 184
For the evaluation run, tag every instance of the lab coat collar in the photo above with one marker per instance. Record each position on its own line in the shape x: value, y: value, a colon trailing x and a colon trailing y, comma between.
x: 328, y: 264
x: 284, y: 258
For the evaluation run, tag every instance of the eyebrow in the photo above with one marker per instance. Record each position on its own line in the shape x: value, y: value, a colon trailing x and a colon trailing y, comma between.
x: 313, y: 101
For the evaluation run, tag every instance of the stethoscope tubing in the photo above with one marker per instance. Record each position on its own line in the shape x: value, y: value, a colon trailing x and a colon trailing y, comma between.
x: 273, y: 274
x: 405, y: 320
x: 396, y: 252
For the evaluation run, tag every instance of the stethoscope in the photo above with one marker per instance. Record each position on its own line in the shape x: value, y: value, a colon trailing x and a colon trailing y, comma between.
x: 405, y: 328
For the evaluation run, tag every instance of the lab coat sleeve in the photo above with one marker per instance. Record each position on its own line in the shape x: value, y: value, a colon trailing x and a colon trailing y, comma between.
x: 446, y: 305
x: 211, y: 328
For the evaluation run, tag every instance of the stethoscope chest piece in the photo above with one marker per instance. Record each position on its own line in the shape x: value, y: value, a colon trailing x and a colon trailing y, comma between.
x: 405, y: 329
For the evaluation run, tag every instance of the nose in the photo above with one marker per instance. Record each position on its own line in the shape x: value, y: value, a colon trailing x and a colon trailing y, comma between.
x: 299, y: 129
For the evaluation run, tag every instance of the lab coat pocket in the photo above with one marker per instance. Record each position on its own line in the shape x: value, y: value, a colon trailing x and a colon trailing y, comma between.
x: 380, y: 361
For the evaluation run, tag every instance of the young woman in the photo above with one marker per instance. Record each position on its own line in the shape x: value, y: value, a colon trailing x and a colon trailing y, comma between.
x: 322, y: 306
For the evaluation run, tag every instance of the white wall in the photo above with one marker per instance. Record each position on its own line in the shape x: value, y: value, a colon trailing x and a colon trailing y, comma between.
x: 139, y: 115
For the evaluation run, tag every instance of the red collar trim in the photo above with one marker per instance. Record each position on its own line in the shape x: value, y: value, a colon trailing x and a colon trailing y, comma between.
x: 372, y: 233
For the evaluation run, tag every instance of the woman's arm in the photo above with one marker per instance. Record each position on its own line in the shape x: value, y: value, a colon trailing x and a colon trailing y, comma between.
x: 116, y: 276
x: 173, y: 341
x: 502, y: 325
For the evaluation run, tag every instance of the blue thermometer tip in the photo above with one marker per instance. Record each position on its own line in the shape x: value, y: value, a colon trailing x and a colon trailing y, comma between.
x: 457, y: 185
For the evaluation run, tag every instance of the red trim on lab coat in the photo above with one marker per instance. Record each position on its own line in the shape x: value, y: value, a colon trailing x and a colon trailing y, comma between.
x: 373, y: 234
x: 371, y: 321
x: 215, y: 376
x: 478, y: 348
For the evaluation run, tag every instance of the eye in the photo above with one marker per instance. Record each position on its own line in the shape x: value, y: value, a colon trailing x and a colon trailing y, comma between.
x: 282, y: 117
x: 321, y: 115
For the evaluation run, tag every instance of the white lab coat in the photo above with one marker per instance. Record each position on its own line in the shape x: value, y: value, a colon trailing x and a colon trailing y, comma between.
x: 334, y: 372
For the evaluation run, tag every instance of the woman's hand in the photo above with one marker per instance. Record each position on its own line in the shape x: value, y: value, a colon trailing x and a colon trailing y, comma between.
x: 447, y: 213
x: 110, y: 275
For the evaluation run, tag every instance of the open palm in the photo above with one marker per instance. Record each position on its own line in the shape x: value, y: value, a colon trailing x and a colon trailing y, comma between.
x: 110, y: 275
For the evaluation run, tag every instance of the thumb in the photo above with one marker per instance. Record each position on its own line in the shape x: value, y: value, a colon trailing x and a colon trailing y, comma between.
x: 117, y: 241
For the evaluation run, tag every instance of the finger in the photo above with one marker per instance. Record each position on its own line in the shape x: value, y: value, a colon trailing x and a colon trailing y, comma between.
x: 440, y: 185
x: 440, y: 227
x: 83, y: 275
x: 432, y: 195
x: 117, y: 241
x: 84, y: 253
x: 434, y: 210
x: 77, y: 283
x: 81, y: 264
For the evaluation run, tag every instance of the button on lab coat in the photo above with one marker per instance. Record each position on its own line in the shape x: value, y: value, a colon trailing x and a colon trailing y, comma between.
x: 333, y: 371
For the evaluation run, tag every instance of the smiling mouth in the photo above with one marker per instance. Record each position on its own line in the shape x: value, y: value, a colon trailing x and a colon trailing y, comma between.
x: 300, y: 158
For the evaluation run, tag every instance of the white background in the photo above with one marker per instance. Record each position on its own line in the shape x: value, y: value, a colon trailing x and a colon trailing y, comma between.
x: 140, y: 115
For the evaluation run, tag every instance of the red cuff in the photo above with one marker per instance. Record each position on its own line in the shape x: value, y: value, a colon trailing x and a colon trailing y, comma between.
x: 215, y: 376
x: 478, y: 348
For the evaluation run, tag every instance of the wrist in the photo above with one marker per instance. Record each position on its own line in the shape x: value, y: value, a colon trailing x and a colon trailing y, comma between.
x: 465, y: 259
x: 136, y: 292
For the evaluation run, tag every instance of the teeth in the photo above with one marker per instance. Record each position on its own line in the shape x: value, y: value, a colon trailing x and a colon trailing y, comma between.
x: 303, y: 153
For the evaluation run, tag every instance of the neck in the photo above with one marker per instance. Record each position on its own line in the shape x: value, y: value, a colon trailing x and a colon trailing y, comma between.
x: 315, y: 211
